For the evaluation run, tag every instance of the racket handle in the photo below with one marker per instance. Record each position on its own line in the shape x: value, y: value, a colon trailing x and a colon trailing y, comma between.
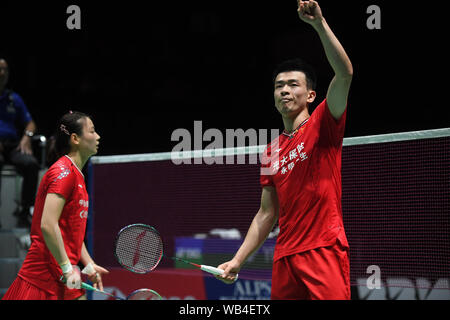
x: 212, y: 270
x: 91, y: 288
x: 215, y: 271
x: 86, y: 286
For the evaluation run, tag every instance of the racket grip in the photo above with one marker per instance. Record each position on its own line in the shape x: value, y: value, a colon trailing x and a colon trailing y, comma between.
x: 215, y: 271
x: 86, y: 286
x: 212, y: 270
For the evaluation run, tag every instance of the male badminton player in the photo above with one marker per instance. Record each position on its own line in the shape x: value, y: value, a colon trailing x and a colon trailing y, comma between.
x: 301, y: 185
x: 59, y: 220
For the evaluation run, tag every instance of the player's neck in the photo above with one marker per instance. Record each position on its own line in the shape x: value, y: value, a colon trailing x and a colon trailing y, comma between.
x: 77, y: 159
x: 291, y: 123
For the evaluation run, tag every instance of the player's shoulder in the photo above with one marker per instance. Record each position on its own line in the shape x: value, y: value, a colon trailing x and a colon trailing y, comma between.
x: 320, y: 109
x: 60, y: 170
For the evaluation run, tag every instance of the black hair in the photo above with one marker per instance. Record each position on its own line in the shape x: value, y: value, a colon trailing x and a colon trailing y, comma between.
x: 297, y: 65
x: 60, y: 142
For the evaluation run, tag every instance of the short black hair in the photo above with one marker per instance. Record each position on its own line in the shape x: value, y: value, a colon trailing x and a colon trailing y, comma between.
x: 297, y: 65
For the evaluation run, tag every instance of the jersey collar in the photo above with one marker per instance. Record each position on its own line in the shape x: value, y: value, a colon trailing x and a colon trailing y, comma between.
x: 75, y: 165
x: 292, y: 134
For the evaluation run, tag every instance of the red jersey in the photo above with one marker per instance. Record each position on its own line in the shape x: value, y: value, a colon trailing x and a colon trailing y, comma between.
x: 40, y: 267
x: 305, y: 169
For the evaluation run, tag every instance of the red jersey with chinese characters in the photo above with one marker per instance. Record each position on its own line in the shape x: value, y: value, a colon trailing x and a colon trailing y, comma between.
x: 305, y: 169
x: 40, y: 267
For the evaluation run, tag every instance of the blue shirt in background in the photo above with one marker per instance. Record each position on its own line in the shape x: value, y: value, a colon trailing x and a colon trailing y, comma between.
x: 13, y: 111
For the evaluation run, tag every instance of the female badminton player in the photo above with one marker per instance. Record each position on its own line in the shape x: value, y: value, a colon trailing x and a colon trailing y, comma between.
x: 59, y: 220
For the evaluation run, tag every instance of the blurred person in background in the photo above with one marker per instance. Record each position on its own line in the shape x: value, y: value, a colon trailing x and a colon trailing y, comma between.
x: 16, y: 131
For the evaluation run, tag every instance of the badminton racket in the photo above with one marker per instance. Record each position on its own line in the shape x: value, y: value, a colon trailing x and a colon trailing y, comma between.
x: 91, y: 288
x: 139, y: 249
x: 86, y: 286
x: 144, y: 294
x: 140, y: 294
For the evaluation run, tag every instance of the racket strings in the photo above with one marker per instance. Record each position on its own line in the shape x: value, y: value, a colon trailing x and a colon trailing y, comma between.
x: 144, y: 294
x: 139, y: 249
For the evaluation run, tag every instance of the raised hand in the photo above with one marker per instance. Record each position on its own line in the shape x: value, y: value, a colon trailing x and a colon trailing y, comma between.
x: 309, y: 11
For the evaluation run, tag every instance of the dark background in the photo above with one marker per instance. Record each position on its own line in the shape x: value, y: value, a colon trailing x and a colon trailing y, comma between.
x: 144, y: 69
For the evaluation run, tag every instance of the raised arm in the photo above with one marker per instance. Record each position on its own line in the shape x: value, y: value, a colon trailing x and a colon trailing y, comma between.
x: 310, y: 12
x: 260, y: 228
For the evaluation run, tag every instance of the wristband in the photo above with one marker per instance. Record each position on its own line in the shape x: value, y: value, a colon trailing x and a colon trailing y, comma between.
x: 66, y: 267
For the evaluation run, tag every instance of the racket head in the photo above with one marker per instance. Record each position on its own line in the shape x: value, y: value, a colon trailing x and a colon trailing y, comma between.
x: 138, y: 248
x: 144, y: 294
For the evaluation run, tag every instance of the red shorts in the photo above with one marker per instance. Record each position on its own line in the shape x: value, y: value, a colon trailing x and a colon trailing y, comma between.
x: 319, y: 274
x: 21, y: 289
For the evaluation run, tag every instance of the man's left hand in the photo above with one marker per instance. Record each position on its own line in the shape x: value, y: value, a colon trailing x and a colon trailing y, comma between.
x: 25, y: 145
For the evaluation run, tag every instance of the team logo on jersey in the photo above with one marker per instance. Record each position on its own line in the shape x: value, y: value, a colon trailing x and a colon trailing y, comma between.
x: 84, y: 214
x: 287, y: 163
x: 64, y: 172
x: 84, y: 204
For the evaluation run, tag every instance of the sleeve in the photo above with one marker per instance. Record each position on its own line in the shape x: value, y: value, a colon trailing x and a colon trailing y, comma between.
x: 266, y: 172
x: 331, y: 130
x: 62, y: 181
x: 24, y: 115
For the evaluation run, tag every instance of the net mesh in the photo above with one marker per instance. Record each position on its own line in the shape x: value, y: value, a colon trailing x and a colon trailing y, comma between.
x: 396, y: 210
x: 138, y: 248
